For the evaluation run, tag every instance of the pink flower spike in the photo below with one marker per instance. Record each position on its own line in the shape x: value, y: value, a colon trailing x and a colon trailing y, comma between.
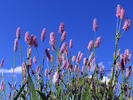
x: 35, y: 41
x: 82, y: 68
x: 30, y: 41
x: 52, y: 39
x: 119, y: 65
x: 55, y: 78
x: 73, y: 59
x: 118, y: 53
x: 15, y: 45
x: 18, y: 33
x: 97, y: 43
x: 30, y: 62
x: 63, y: 47
x: 70, y: 44
x: 75, y: 68
x: 122, y: 14
x: 94, y: 25
x: 34, y: 60
x: 118, y: 11
x: 63, y: 36
x: 81, y: 56
x: 43, y: 34
x: 27, y: 36
x: 61, y: 28
x: 85, y: 61
x: 90, y: 45
x: 2, y: 85
x: 2, y: 61
x: 126, y: 24
x: 47, y: 54
x: 93, y: 61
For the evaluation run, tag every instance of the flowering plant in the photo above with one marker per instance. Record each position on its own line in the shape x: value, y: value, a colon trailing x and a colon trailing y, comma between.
x: 64, y: 77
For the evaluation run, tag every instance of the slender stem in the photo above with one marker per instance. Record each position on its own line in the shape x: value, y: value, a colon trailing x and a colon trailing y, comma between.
x: 21, y: 58
x: 4, y: 87
x: 13, y: 73
x: 119, y: 26
x: 38, y: 57
x: 43, y: 60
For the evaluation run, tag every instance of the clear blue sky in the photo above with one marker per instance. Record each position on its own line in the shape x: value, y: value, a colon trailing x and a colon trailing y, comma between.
x: 77, y: 15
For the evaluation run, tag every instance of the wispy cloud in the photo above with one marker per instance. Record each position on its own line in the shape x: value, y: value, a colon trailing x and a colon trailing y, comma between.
x: 100, y: 64
x: 17, y: 70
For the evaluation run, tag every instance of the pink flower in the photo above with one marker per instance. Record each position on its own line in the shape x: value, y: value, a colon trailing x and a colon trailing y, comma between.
x: 29, y: 51
x: 94, y: 25
x: 93, y: 61
x: 92, y: 85
x: 73, y: 59
x: 46, y: 72
x: 15, y: 45
x: 63, y: 47
x: 2, y: 61
x: 30, y: 41
x: 90, y: 45
x: 75, y: 68
x: 91, y: 56
x: 70, y: 44
x: 63, y: 56
x: 128, y: 72
x: 118, y: 53
x: 52, y: 39
x: 18, y: 33
x: 82, y: 68
x: 63, y: 36
x: 118, y: 11
x: 97, y: 43
x: 30, y: 62
x: 126, y: 52
x: 55, y: 78
x: 81, y: 56
x: 85, y: 61
x: 47, y: 54
x: 119, y: 65
x: 34, y: 60
x: 78, y: 57
x: 35, y: 41
x: 126, y: 24
x: 43, y: 34
x: 24, y: 69
x: 61, y: 28
x: 94, y: 68
x: 64, y: 64
x: 24, y: 80
x: 27, y: 36
x: 2, y: 85
x: 122, y: 14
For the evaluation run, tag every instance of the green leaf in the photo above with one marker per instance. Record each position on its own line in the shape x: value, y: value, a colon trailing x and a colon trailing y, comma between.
x: 41, y: 94
x: 19, y: 92
x: 32, y: 89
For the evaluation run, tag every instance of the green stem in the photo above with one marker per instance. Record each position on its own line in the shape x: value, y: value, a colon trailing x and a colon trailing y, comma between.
x: 13, y: 73
x: 21, y: 59
x: 43, y: 60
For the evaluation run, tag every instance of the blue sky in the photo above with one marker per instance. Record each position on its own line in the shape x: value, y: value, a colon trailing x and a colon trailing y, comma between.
x: 77, y: 15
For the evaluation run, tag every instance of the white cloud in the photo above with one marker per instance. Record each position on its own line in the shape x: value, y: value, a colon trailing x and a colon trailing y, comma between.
x: 100, y: 64
x: 105, y: 79
x: 17, y: 70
